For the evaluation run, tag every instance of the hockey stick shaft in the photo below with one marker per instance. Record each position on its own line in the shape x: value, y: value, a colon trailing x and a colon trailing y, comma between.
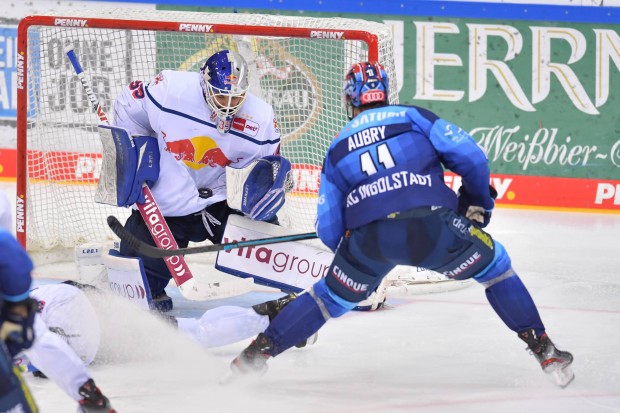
x: 149, y: 210
x: 86, y: 84
x: 151, y: 251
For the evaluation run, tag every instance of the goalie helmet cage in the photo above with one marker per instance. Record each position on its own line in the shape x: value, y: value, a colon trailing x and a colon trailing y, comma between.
x: 296, y: 63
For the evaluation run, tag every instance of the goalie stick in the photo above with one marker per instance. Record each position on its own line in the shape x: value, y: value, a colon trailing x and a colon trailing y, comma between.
x: 151, y: 251
x: 176, y: 264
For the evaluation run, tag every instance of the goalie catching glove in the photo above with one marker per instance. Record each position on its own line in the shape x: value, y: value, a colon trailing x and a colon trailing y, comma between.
x: 265, y: 188
x: 476, y: 210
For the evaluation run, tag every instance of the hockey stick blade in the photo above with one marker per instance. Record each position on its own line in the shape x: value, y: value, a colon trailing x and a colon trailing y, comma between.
x: 151, y: 251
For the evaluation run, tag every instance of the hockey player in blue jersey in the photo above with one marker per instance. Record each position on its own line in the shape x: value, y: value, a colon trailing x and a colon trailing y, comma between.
x: 383, y: 202
x: 17, y: 312
x: 18, y: 323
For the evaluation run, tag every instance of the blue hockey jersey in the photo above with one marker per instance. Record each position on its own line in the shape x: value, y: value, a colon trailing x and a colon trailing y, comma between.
x: 390, y: 159
x: 15, y: 269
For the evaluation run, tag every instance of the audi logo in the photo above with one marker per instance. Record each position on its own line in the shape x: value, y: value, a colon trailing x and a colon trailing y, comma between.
x: 374, y: 96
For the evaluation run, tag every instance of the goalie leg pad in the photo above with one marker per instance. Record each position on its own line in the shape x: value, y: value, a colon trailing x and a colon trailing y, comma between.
x: 293, y: 266
x: 156, y: 270
x: 127, y: 279
x: 91, y: 270
x: 128, y: 162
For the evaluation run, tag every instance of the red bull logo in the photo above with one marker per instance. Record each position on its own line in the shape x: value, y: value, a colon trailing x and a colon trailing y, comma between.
x: 231, y: 79
x: 215, y: 157
x: 198, y: 152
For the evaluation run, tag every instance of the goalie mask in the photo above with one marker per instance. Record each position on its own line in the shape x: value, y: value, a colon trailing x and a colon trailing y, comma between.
x: 224, y: 81
x: 364, y: 84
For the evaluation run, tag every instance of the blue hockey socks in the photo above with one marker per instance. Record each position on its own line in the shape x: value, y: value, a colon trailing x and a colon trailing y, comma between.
x: 513, y: 303
x: 299, y: 320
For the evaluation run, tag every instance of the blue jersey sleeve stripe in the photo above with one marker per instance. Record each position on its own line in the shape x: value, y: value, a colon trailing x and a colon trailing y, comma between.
x: 203, y: 122
x: 16, y: 298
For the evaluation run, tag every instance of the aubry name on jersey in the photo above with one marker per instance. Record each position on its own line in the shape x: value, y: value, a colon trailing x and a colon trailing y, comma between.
x: 387, y: 183
x: 366, y: 137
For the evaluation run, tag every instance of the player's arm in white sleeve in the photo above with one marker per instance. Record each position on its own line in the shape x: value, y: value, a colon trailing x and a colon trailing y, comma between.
x: 52, y: 356
x: 132, y: 110
x: 272, y: 135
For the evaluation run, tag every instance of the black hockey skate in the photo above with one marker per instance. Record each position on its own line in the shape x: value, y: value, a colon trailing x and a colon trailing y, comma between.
x: 94, y: 401
x: 251, y: 361
x: 553, y: 361
x: 273, y: 307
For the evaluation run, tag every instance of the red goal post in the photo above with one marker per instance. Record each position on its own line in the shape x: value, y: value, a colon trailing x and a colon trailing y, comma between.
x: 296, y: 63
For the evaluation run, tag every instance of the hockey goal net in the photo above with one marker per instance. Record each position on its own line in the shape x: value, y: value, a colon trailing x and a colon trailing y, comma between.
x: 296, y: 63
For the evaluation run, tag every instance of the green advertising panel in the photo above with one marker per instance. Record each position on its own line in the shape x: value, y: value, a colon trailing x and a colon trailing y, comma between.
x: 537, y: 96
x: 295, y: 77
x: 540, y: 97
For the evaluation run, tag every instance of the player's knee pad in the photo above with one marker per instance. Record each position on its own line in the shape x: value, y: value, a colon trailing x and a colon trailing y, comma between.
x: 500, y: 265
x: 329, y: 301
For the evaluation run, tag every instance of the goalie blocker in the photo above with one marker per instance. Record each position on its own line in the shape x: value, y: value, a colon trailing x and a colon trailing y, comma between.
x: 128, y: 163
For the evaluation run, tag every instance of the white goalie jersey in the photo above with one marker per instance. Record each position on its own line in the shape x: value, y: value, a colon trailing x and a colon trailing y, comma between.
x: 67, y: 335
x: 194, y: 155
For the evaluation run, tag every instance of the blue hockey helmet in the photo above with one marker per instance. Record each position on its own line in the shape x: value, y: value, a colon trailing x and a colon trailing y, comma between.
x: 224, y: 81
x: 365, y: 83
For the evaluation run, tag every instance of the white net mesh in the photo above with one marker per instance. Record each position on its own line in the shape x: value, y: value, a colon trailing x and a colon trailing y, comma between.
x: 300, y: 75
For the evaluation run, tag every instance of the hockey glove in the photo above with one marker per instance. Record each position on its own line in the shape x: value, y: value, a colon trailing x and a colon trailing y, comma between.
x: 128, y: 163
x: 265, y: 188
x: 16, y: 324
x: 470, y: 208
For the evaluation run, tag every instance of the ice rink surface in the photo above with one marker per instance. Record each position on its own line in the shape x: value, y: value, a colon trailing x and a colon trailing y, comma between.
x: 442, y: 352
